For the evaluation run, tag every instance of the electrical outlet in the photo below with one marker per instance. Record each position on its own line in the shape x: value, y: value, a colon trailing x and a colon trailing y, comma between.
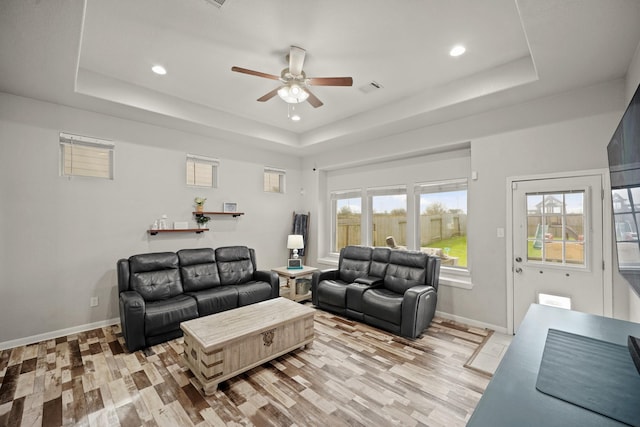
x: 93, y: 302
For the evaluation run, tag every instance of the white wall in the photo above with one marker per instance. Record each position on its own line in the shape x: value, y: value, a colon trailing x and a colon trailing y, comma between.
x: 61, y: 238
x: 566, y: 132
x: 633, y: 80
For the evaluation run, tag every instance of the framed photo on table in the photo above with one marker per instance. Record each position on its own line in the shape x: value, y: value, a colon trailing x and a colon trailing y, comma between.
x: 294, y: 264
x: 229, y: 207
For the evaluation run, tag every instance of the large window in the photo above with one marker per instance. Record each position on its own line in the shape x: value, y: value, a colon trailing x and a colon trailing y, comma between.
x: 442, y: 220
x: 202, y: 171
x: 274, y: 180
x: 84, y: 156
x: 388, y: 216
x: 347, y: 217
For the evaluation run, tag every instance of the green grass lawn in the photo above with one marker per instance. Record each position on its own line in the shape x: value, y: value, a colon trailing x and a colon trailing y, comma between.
x: 457, y: 247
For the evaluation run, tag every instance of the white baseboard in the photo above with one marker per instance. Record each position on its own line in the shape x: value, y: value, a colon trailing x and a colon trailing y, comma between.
x: 471, y: 322
x: 59, y: 333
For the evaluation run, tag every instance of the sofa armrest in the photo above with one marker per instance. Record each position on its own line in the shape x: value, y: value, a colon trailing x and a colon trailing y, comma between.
x: 132, y: 310
x: 123, y: 275
x: 316, y: 278
x: 371, y: 281
x: 418, y: 309
x: 326, y: 275
x: 272, y: 278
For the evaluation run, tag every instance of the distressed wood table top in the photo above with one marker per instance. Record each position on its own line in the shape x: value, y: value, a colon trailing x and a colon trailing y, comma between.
x: 226, y: 327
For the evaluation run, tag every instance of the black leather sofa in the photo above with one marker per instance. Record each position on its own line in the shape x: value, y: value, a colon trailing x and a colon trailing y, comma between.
x: 394, y: 290
x: 160, y: 290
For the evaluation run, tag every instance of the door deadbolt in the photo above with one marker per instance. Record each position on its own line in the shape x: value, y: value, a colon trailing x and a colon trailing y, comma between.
x: 518, y: 259
x: 518, y: 270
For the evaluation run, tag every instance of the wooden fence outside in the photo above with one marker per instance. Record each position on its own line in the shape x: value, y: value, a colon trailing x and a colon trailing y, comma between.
x: 433, y: 228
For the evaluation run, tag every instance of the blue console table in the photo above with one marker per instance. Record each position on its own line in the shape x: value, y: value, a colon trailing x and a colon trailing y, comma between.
x: 511, y: 398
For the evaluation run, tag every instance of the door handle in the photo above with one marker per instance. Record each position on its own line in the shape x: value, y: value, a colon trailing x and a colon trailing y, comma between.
x: 518, y: 270
x: 518, y: 259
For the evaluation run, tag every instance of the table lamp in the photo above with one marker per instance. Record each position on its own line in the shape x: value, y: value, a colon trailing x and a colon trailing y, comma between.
x: 295, y: 242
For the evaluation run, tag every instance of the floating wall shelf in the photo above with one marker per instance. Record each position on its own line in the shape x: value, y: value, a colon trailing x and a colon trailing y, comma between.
x: 185, y: 230
x: 233, y: 214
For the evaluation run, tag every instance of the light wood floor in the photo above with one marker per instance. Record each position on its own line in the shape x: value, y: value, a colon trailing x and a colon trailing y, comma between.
x: 353, y: 375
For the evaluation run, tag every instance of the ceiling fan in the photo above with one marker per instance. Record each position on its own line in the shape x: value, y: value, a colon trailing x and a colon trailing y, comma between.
x: 295, y: 83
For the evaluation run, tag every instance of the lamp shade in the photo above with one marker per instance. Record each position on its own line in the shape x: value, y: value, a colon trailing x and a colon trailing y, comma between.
x: 295, y: 241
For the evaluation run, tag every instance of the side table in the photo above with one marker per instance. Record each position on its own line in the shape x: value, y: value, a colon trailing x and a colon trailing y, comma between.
x: 289, y: 290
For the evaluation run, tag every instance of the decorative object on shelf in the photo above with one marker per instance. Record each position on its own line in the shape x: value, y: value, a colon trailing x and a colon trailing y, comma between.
x: 162, y: 223
x: 230, y: 207
x: 180, y: 225
x: 202, y: 221
x: 199, y: 201
x: 155, y: 225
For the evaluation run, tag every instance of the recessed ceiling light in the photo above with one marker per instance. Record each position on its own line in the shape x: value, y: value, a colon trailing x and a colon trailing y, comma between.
x: 457, y: 50
x: 159, y: 69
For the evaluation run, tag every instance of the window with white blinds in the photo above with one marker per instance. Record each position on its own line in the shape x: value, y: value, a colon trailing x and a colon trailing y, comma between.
x: 274, y: 180
x: 85, y: 156
x: 202, y: 171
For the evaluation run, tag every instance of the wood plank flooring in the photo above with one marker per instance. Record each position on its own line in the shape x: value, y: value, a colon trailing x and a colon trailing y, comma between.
x: 353, y: 375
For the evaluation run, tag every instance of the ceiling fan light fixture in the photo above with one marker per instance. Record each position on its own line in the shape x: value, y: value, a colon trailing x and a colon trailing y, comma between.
x: 293, y: 115
x: 293, y: 93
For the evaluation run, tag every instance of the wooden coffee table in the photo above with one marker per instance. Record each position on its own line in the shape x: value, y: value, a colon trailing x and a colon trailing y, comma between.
x: 223, y: 345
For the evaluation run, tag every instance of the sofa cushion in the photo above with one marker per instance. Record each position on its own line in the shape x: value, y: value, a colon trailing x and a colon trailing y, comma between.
x: 198, y: 269
x: 333, y: 292
x: 383, y: 304
x: 379, y: 262
x: 354, y: 262
x: 252, y: 292
x: 164, y: 316
x: 215, y: 300
x: 155, y: 276
x: 235, y: 265
x: 152, y: 262
x: 406, y: 269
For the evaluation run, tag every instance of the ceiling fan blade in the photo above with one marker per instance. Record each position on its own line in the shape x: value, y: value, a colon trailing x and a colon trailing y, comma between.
x: 313, y: 100
x: 330, y: 81
x: 296, y: 60
x: 254, y: 73
x: 268, y: 96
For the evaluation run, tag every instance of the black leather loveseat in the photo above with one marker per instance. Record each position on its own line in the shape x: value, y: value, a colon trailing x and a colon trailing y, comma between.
x: 394, y: 290
x: 160, y: 290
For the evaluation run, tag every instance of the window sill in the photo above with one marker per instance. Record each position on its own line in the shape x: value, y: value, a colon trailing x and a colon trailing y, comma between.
x: 456, y: 281
x: 329, y: 261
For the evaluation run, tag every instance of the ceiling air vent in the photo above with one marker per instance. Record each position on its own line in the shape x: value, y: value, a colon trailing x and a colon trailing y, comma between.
x: 370, y: 87
x: 217, y: 3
